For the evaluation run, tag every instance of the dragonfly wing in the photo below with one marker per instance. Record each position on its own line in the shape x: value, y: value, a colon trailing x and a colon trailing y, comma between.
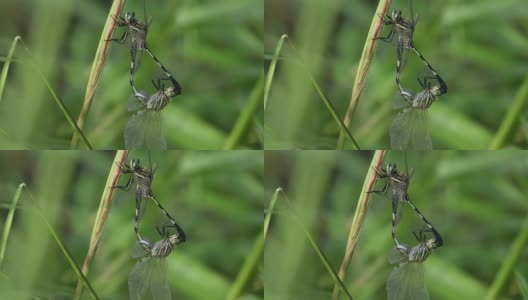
x: 138, y: 279
x: 394, y: 256
x: 141, y: 205
x: 403, y: 56
x: 406, y: 282
x: 138, y: 250
x: 399, y: 210
x: 416, y: 283
x: 420, y: 138
x: 159, y: 286
x: 136, y: 58
x: 397, y: 288
x: 400, y: 130
x: 399, y: 102
x: 135, y: 130
x: 154, y: 138
x: 133, y: 102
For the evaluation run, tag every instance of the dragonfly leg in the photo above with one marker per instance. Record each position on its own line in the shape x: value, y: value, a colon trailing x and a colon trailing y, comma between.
x: 125, y: 187
x: 387, y: 38
x: 123, y: 37
x: 382, y: 191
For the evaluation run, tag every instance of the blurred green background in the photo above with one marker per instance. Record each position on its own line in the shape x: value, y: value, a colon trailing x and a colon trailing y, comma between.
x: 221, y: 215
x: 479, y: 47
x: 213, y: 48
x: 476, y: 200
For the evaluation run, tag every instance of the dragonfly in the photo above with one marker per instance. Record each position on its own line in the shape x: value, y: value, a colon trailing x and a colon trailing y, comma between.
x: 135, y: 34
x: 406, y: 281
x: 398, y: 182
x: 144, y: 128
x: 150, y: 273
x: 409, y: 129
x: 404, y: 29
x: 143, y: 177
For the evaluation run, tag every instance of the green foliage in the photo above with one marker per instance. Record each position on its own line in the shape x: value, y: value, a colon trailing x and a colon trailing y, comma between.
x: 222, y: 217
x: 476, y: 200
x: 476, y: 46
x: 213, y: 48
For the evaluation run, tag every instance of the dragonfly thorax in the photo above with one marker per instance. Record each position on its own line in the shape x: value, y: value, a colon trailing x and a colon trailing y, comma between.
x: 424, y: 99
x: 162, y: 248
x: 419, y: 253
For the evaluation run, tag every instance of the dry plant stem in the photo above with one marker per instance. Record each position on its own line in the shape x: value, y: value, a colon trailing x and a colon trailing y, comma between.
x: 97, y: 66
x: 102, y: 215
x: 364, y: 62
x: 359, y: 216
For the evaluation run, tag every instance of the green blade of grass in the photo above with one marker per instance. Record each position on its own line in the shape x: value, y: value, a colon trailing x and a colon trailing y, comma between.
x: 335, y: 115
x: 364, y: 62
x: 248, y: 269
x: 359, y: 215
x: 267, y: 218
x: 5, y: 69
x: 523, y: 285
x: 102, y: 215
x: 244, y: 120
x: 327, y: 102
x: 9, y: 222
x: 339, y: 284
x: 97, y: 66
x: 512, y: 117
x: 65, y: 251
x: 69, y: 257
x: 271, y: 70
x: 58, y: 100
x: 510, y: 262
x: 326, y: 263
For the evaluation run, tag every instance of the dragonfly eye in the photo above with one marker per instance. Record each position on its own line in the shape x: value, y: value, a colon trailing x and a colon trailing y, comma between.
x: 391, y: 168
x: 134, y: 164
x: 396, y: 15
x: 129, y: 16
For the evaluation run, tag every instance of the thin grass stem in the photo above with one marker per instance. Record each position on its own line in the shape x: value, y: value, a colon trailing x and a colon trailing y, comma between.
x: 364, y: 63
x: 271, y: 70
x: 360, y: 214
x: 102, y: 215
x: 5, y: 68
x: 246, y: 116
x: 97, y: 66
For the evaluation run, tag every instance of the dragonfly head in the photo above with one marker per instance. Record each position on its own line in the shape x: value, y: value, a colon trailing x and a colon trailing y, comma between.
x: 439, y: 89
x: 134, y: 164
x: 130, y: 16
x: 177, y: 239
x: 170, y: 92
x: 391, y: 169
x: 397, y: 16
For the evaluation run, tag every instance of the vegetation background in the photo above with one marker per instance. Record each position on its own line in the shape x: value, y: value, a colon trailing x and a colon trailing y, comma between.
x: 478, y: 46
x: 476, y: 200
x: 212, y: 47
x: 221, y: 215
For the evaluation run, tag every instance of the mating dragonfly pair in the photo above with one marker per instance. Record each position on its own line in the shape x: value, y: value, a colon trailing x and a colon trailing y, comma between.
x: 150, y: 273
x: 406, y: 281
x: 410, y: 128
x: 144, y: 129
